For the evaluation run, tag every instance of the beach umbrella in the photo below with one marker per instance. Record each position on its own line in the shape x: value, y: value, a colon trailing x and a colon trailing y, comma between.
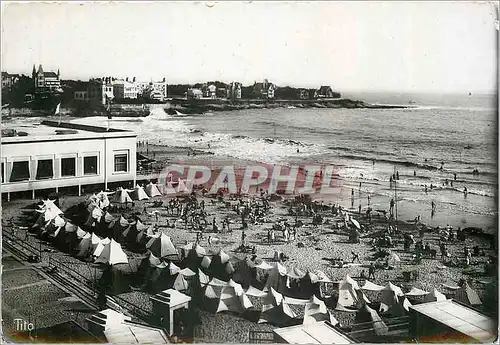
x: 161, y: 246
x: 468, y: 296
x: 100, y: 246
x: 355, y: 222
x: 112, y: 254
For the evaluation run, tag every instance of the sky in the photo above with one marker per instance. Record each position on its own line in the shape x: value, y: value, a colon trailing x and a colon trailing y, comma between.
x: 405, y: 46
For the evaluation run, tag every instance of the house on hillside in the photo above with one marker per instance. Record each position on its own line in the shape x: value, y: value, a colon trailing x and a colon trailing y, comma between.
x: 264, y: 90
x: 324, y: 92
x: 209, y: 91
x: 45, y: 81
x: 222, y: 92
x: 9, y: 80
x: 302, y: 94
x: 193, y: 93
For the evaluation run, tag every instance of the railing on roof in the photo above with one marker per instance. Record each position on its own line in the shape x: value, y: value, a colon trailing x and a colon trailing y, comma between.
x: 81, y: 127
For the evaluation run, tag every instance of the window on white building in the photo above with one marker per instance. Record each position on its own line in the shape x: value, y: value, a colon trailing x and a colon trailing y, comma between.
x: 121, y: 161
x: 20, y: 171
x: 68, y: 167
x: 45, y: 169
x: 90, y: 165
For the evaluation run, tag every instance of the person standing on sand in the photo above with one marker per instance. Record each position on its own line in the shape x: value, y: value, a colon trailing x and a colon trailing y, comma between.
x: 369, y: 200
x: 355, y: 256
x: 352, y: 198
x: 414, y: 173
x: 454, y: 176
x: 359, y: 209
x: 371, y: 271
x: 465, y: 192
x: 391, y: 208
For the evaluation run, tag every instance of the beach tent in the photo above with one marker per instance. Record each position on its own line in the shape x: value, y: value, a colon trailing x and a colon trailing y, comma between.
x: 296, y: 273
x: 315, y: 311
x: 468, y: 296
x: 100, y: 246
x: 206, y: 262
x: 415, y: 292
x: 253, y: 291
x: 368, y: 322
x: 95, y: 240
x: 398, y: 307
x: 277, y: 278
x: 121, y: 196
x: 112, y: 254
x: 264, y: 265
x: 434, y: 296
x: 369, y: 286
x: 229, y: 268
x: 161, y: 246
x: 393, y: 259
x: 84, y: 247
x: 152, y: 190
x: 389, y: 295
x: 80, y: 233
x: 349, y: 293
x: 203, y: 278
x: 102, y: 199
x: 280, y: 315
x: 139, y: 193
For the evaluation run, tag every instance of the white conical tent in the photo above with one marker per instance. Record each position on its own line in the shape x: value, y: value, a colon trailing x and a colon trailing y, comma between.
x: 434, y: 296
x: 121, y: 196
x: 224, y: 258
x: 276, y: 275
x: 315, y: 310
x: 103, y: 200
x: 390, y: 295
x: 203, y: 278
x: 82, y: 234
x: 278, y: 315
x: 140, y: 193
x: 174, y: 269
x: 187, y: 272
x: 161, y: 246
x: 347, y: 292
x: 416, y: 292
x: 95, y: 240
x: 369, y: 286
x: 112, y: 254
x: 100, y: 246
x: 205, y: 262
x: 180, y: 283
x: 152, y: 190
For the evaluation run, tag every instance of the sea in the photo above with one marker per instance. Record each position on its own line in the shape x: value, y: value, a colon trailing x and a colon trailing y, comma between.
x: 366, y: 147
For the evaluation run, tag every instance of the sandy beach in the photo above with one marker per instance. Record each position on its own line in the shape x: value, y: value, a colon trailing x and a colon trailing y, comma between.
x: 313, y: 248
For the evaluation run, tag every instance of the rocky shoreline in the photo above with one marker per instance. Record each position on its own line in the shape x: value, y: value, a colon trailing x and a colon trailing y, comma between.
x: 185, y: 106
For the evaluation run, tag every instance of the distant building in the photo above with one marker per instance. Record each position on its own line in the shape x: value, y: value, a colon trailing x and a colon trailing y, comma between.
x: 234, y: 90
x: 302, y: 94
x: 45, y: 81
x: 81, y: 96
x: 100, y: 90
x: 54, y: 155
x: 209, y: 91
x: 123, y: 89
x: 222, y: 92
x: 9, y: 80
x: 324, y: 92
x: 194, y: 93
x: 264, y: 90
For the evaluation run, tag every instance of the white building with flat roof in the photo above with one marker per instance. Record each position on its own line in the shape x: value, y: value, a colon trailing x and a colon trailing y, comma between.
x: 54, y: 155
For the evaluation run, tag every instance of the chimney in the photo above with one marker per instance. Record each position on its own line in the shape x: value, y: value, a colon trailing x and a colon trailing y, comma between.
x: 126, y: 79
x: 133, y: 80
x: 164, y: 79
